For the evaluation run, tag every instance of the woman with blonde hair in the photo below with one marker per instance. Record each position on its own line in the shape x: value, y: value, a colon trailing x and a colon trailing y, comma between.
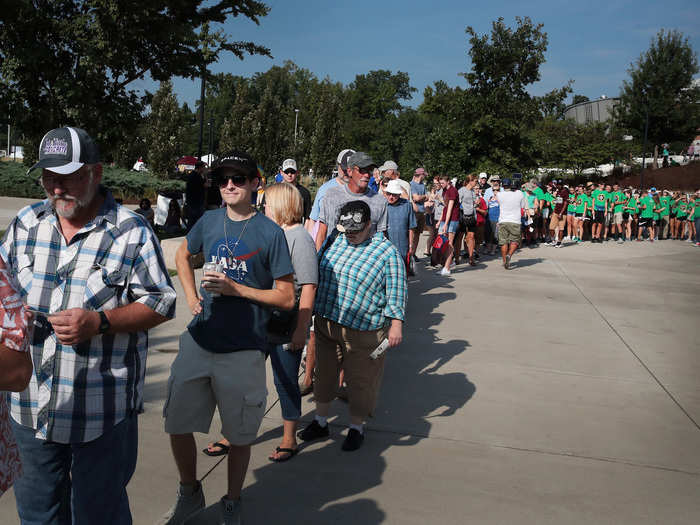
x: 287, y: 331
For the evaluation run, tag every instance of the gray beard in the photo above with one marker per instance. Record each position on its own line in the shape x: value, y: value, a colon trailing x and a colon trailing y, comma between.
x: 80, y: 204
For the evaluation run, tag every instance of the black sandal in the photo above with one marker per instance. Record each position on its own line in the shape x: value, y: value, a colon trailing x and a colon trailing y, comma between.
x: 223, y: 450
x: 291, y: 452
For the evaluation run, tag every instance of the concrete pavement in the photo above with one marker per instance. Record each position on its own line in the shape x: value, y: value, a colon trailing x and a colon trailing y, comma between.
x: 562, y: 391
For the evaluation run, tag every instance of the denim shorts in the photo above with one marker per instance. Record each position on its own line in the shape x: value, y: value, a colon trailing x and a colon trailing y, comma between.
x: 451, y: 226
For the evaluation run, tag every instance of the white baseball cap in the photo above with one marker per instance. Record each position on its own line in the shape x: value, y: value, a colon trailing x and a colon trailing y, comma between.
x: 394, y: 187
x: 388, y: 165
x: 289, y: 164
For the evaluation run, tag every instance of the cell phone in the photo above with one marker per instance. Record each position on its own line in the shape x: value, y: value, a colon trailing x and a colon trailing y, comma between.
x: 36, y: 312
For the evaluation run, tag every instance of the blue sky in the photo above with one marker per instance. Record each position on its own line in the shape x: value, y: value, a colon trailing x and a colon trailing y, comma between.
x: 592, y: 43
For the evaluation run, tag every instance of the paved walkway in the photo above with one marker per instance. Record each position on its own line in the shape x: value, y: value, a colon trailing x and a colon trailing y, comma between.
x: 562, y: 391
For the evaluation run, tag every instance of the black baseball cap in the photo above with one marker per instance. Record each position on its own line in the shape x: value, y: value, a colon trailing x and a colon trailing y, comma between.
x: 237, y: 161
x: 66, y: 150
x: 353, y: 217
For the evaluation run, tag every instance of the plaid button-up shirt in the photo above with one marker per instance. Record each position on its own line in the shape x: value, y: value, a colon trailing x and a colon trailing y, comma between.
x: 78, y: 392
x: 361, y: 286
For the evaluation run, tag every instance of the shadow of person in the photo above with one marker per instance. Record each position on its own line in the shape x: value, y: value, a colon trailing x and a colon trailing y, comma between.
x: 318, y: 485
x: 522, y: 263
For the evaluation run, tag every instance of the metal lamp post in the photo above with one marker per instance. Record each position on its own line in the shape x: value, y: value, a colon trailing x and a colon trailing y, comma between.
x: 296, y: 121
x: 644, y: 147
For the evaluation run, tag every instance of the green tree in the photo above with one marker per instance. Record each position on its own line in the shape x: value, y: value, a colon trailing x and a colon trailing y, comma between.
x: 163, y: 138
x: 73, y: 61
x: 504, y: 64
x: 579, y: 98
x: 660, y: 84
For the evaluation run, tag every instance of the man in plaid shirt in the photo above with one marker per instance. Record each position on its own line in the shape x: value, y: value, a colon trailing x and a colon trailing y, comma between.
x: 96, y: 273
x: 360, y: 304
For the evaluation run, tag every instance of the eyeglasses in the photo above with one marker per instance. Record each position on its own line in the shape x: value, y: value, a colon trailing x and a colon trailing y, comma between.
x: 238, y: 180
x: 365, y: 171
x: 51, y: 180
x: 290, y: 171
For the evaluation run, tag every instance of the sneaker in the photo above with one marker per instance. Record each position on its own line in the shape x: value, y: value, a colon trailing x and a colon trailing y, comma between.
x: 506, y: 264
x: 557, y: 245
x: 313, y: 431
x: 697, y: 244
x: 620, y: 241
x: 353, y: 440
x: 223, y: 512
x: 445, y: 271
x: 186, y: 506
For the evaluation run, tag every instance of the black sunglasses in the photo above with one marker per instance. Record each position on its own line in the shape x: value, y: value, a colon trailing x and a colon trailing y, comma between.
x: 366, y: 171
x: 290, y: 171
x: 238, y: 180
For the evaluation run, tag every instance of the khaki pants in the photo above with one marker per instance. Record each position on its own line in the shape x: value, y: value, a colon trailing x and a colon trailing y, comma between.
x: 340, y: 347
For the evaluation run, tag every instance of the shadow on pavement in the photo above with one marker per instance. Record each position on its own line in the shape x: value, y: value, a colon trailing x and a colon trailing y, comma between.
x: 315, y: 486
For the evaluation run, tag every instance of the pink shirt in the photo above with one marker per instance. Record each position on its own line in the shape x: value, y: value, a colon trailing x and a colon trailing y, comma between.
x: 14, y: 335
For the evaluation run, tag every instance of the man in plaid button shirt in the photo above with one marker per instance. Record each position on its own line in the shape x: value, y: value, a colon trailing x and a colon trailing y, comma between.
x: 96, y: 272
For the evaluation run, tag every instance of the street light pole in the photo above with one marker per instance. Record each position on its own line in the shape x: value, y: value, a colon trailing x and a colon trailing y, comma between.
x: 201, y: 114
x: 644, y: 147
x: 296, y: 120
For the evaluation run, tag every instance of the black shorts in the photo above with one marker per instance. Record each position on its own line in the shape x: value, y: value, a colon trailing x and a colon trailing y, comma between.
x: 599, y: 217
x: 579, y: 215
x: 646, y: 221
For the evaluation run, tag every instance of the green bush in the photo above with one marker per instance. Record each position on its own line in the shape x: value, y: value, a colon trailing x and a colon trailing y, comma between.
x: 129, y: 185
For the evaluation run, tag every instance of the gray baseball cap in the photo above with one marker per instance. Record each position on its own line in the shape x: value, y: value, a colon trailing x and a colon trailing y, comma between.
x: 66, y: 150
x: 361, y: 160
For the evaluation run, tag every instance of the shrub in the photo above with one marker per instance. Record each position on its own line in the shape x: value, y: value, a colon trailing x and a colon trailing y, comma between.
x: 125, y: 184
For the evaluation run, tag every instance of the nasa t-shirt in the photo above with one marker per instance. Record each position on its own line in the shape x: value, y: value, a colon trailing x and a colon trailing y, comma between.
x: 254, y: 257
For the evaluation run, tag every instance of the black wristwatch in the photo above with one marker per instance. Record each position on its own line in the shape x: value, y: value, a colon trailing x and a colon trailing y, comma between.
x: 105, y: 325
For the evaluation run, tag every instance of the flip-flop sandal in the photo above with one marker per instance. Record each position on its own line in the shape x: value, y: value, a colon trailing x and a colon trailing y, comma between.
x: 291, y: 452
x: 223, y: 450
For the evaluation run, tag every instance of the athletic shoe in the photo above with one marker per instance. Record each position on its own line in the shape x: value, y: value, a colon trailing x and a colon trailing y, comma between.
x: 314, y: 431
x: 186, y: 506
x: 620, y: 241
x: 353, y: 440
x: 445, y: 271
x: 697, y: 244
x: 557, y: 245
x: 223, y: 512
x: 689, y: 240
x: 506, y: 264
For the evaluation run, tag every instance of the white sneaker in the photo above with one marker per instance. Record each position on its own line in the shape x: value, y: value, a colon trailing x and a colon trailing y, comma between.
x: 186, y: 506
x: 223, y: 512
x: 445, y: 271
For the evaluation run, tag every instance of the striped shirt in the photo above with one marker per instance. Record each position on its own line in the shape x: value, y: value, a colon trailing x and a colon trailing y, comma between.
x: 79, y: 392
x: 361, y: 286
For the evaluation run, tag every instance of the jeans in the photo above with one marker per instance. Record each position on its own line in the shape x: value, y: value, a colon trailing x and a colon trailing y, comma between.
x: 285, y: 369
x: 79, y: 483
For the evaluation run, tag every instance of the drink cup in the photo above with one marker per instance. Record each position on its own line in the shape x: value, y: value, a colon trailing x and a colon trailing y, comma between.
x: 212, y: 267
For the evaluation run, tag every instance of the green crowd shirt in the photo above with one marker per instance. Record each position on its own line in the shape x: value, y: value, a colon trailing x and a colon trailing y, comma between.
x: 619, y: 198
x: 666, y: 204
x: 648, y: 211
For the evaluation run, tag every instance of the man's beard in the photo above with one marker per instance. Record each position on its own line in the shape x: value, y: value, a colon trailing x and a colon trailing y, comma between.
x: 59, y: 203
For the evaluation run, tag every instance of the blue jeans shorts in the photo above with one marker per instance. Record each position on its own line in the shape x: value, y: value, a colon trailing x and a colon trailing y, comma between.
x: 451, y: 226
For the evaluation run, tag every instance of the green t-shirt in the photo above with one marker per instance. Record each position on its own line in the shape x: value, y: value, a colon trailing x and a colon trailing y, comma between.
x: 530, y: 199
x: 580, y: 203
x: 682, y: 210
x: 696, y: 209
x: 648, y: 212
x: 599, y: 198
x: 539, y: 193
x: 632, y: 205
x: 548, y: 200
x: 666, y: 205
x: 572, y: 203
x: 589, y: 201
x: 618, y: 198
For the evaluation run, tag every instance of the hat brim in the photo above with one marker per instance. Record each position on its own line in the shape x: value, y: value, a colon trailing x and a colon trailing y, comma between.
x: 57, y: 166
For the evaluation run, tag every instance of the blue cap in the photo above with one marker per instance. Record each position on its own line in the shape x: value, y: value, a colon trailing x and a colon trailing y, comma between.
x: 506, y: 183
x: 653, y: 190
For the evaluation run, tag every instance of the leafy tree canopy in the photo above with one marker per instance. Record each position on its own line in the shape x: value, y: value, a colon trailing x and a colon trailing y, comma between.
x: 660, y: 83
x: 72, y: 61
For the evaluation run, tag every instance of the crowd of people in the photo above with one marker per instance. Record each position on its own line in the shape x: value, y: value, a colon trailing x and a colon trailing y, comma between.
x: 82, y: 280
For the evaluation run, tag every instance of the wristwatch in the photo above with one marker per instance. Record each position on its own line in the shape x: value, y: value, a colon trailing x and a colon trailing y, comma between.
x: 105, y: 325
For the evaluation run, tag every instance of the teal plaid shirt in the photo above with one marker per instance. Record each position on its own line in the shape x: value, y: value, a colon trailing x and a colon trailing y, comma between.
x: 361, y: 287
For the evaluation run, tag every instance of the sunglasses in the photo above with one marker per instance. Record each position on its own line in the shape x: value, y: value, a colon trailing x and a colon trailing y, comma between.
x: 290, y: 171
x: 238, y: 180
x: 366, y: 171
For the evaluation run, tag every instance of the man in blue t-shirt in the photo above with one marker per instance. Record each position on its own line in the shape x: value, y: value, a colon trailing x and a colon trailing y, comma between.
x: 340, y: 179
x: 221, y: 362
x: 418, y: 196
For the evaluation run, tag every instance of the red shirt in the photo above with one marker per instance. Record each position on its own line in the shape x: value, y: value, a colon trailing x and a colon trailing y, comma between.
x: 480, y: 204
x: 450, y: 194
x: 561, y: 201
